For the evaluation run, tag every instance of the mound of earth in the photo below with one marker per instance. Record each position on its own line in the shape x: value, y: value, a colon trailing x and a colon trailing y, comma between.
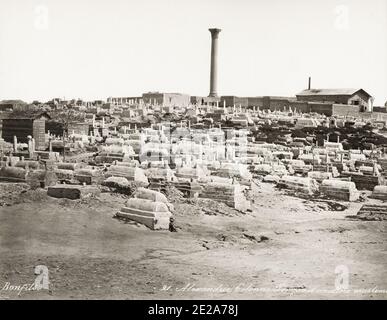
x: 214, y: 208
x: 15, y: 193
x: 173, y: 194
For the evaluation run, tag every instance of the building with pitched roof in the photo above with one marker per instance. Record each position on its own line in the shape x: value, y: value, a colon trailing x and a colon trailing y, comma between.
x: 355, y: 97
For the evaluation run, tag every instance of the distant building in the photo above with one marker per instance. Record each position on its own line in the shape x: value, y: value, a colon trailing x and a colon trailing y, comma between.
x: 201, y: 101
x: 124, y: 100
x: 330, y: 102
x: 230, y: 101
x: 167, y: 99
x: 355, y: 97
x: 272, y: 103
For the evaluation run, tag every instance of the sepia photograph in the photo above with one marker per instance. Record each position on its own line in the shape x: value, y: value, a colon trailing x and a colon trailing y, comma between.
x: 181, y: 150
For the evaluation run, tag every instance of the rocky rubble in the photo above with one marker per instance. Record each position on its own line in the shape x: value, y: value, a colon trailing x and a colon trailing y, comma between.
x: 173, y: 195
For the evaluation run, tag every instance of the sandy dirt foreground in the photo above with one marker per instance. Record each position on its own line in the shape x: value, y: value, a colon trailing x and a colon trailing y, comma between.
x: 287, y: 248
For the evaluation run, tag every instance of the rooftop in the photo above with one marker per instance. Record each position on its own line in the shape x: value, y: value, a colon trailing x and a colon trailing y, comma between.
x: 330, y: 92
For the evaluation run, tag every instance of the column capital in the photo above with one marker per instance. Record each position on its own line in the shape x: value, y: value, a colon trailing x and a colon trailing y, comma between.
x: 214, y: 32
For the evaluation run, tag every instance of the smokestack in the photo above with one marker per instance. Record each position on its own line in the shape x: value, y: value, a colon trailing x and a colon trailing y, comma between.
x: 309, y: 83
x: 214, y: 62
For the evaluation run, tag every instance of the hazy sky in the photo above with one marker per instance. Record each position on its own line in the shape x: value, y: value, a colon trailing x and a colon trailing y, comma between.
x: 93, y: 49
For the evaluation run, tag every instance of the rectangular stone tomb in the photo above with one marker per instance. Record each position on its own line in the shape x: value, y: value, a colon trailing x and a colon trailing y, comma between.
x: 72, y: 191
x: 154, y: 215
x: 341, y: 190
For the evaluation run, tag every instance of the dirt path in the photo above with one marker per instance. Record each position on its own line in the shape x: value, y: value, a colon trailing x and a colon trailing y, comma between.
x: 286, y: 248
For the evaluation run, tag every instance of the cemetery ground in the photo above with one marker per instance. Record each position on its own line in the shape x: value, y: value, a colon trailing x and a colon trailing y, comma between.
x: 288, y: 247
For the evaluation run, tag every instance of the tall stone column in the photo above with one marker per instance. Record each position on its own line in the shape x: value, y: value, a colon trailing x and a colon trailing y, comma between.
x: 214, y: 62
